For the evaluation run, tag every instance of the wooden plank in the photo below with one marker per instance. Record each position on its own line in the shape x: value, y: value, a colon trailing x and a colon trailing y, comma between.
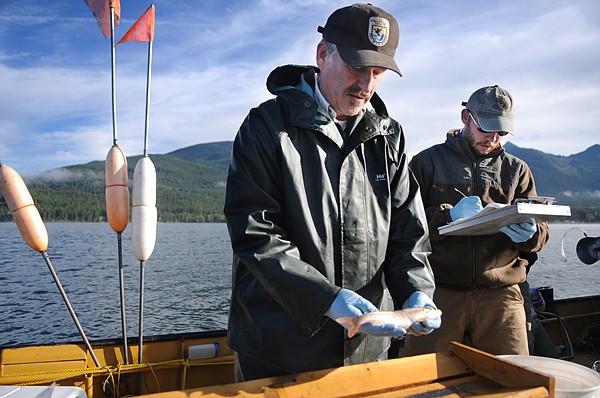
x: 464, y: 387
x: 373, y: 377
x: 366, y: 379
x: 453, y: 387
x: 539, y: 392
x: 500, y: 370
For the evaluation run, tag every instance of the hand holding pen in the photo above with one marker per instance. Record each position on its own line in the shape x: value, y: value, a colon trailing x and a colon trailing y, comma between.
x: 468, y: 206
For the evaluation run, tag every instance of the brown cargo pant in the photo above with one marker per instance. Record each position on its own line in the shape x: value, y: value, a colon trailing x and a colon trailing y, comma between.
x: 491, y: 320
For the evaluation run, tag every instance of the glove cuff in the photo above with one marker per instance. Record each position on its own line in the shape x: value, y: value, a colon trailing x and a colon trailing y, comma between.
x: 444, y: 209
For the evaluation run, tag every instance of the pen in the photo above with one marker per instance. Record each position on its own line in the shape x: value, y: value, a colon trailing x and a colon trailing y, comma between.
x: 460, y: 192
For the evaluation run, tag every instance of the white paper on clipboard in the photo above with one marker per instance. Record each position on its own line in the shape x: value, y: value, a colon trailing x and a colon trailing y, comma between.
x: 495, y: 215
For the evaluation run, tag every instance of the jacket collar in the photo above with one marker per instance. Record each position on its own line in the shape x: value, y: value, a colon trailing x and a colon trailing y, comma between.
x: 295, y: 86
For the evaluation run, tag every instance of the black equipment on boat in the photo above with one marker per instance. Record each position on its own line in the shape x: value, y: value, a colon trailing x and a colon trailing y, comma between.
x: 588, y: 250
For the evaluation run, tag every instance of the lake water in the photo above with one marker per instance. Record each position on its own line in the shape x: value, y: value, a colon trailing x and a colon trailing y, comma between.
x: 187, y: 280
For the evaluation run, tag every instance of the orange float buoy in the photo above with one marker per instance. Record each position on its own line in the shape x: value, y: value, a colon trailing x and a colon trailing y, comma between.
x: 117, y: 190
x: 25, y: 214
x: 33, y: 230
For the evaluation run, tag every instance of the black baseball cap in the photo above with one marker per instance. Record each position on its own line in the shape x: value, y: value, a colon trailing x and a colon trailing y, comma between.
x: 365, y: 36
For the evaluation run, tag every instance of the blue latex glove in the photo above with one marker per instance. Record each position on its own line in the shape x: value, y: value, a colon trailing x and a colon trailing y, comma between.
x: 350, y: 304
x: 520, y: 232
x: 466, y: 207
x: 416, y: 300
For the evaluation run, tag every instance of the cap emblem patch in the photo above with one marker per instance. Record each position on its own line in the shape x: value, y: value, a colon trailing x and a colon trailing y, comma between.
x: 378, y: 31
x: 502, y: 103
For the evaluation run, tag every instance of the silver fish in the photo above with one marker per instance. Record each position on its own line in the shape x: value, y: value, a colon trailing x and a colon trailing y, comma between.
x: 403, y: 318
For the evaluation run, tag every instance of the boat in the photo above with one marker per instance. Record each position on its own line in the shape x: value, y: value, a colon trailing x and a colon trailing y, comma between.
x: 202, y: 364
x: 199, y: 364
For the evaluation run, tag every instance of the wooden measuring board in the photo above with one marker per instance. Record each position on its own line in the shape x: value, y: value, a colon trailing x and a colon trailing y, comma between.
x: 462, y: 372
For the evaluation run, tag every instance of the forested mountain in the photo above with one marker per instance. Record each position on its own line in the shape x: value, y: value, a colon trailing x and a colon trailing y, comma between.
x: 573, y: 179
x: 191, y: 184
x: 190, y: 187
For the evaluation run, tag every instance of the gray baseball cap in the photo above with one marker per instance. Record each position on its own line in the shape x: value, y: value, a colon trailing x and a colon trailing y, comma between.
x: 494, y: 108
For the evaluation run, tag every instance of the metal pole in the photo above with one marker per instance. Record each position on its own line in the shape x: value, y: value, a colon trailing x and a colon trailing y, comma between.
x: 141, y: 315
x: 66, y: 300
x: 148, y: 77
x: 114, y: 123
x: 141, y: 325
x: 113, y: 78
x: 122, y: 288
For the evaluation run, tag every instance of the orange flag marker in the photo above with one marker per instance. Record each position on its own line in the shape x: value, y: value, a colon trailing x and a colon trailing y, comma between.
x: 142, y: 29
x: 101, y: 10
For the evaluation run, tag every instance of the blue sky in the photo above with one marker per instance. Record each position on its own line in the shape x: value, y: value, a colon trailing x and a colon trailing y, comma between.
x: 211, y: 59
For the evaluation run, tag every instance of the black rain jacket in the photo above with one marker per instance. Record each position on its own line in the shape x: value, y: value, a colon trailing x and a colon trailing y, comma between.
x: 308, y: 215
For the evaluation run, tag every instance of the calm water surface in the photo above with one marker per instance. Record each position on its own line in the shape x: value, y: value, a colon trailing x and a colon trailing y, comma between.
x: 187, y: 280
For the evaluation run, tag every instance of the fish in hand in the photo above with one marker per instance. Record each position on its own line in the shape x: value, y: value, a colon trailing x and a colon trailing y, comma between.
x: 403, y: 318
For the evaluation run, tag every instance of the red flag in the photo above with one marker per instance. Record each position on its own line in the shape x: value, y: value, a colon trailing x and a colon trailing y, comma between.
x: 142, y: 29
x: 101, y: 10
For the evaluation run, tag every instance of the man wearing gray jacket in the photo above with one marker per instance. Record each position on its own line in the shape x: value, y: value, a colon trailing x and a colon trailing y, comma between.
x: 322, y: 210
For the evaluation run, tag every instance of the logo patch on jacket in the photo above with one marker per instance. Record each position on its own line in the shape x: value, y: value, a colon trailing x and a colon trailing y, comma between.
x: 381, y: 177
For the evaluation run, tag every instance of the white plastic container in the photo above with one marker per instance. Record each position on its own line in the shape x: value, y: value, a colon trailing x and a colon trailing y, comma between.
x: 41, y: 391
x: 203, y: 351
x: 572, y: 380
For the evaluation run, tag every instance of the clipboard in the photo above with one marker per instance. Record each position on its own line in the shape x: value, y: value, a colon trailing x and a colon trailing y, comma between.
x: 495, y: 215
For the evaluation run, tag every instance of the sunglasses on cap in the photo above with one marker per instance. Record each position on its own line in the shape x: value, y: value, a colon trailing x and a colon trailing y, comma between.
x: 500, y: 133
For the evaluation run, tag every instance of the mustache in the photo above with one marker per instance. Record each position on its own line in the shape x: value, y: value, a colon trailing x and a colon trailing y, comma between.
x: 355, y: 90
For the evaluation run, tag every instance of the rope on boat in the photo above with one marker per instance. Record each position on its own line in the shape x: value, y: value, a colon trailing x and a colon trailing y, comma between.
x: 104, y: 370
x: 590, y: 337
